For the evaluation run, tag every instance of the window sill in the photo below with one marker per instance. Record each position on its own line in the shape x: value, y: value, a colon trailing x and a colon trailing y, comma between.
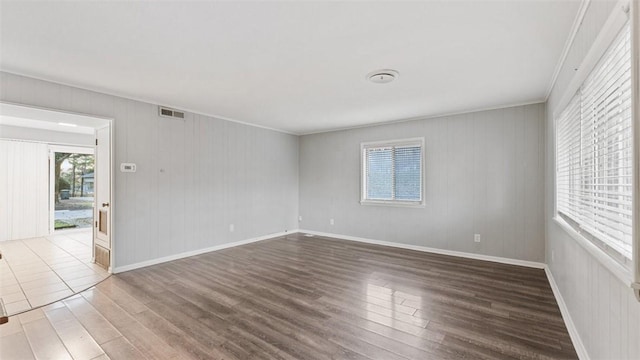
x: 622, y: 273
x: 409, y: 204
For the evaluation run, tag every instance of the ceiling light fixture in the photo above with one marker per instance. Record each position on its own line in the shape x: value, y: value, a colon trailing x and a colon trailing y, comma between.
x: 67, y: 124
x: 382, y: 76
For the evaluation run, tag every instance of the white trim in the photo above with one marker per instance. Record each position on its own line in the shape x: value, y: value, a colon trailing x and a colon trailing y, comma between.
x: 44, y: 142
x: 573, y: 332
x: 616, y: 20
x: 112, y: 195
x: 73, y: 149
x: 144, y: 100
x: 531, y: 264
x: 46, y: 113
x: 427, y: 117
x: 571, y: 328
x: 389, y: 122
x: 393, y: 142
x: 185, y: 254
x: 363, y: 172
x: 502, y: 260
x: 396, y: 203
x: 147, y: 101
x: 566, y: 316
x: 577, y: 21
x: 635, y: 111
x: 52, y: 190
x: 614, y: 267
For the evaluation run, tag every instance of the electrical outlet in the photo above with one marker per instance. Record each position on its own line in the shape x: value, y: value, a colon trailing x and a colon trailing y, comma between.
x: 300, y: 218
x: 232, y: 228
x: 331, y: 222
x: 476, y: 238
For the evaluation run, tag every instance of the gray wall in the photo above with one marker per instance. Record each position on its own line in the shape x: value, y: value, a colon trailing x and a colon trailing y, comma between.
x: 484, y: 174
x: 604, y: 310
x: 194, y: 178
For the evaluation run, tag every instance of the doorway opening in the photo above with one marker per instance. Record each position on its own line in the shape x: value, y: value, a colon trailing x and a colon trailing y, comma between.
x: 73, y: 178
x: 56, y: 167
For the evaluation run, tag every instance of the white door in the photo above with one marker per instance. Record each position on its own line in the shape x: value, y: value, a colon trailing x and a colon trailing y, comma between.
x: 102, y: 216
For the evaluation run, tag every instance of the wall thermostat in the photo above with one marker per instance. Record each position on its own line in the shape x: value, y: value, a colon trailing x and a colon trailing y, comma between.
x: 128, y: 167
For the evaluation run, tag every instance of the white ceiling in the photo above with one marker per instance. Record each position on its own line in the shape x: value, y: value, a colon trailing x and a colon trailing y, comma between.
x: 297, y: 67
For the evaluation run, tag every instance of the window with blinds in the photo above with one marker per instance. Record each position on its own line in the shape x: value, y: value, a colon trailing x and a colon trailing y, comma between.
x: 594, y: 152
x: 392, y: 172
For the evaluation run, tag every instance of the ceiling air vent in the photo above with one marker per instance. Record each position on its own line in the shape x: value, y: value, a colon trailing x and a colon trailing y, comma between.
x: 167, y: 112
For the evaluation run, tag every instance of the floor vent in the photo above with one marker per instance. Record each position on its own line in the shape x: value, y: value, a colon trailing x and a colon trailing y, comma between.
x: 167, y: 112
x: 102, y: 256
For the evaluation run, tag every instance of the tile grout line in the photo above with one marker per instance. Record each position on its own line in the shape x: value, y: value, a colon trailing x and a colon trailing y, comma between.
x: 97, y: 311
x: 75, y: 257
x: 54, y: 271
x: 54, y: 330
x: 19, y: 283
x: 76, y: 318
x: 27, y: 337
x: 49, y: 266
x: 72, y: 255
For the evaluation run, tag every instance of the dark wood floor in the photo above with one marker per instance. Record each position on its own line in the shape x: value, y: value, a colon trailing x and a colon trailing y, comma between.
x: 299, y: 297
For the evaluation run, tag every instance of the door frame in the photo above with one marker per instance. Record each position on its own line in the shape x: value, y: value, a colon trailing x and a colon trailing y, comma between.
x: 40, y: 113
x: 112, y: 210
x: 111, y: 195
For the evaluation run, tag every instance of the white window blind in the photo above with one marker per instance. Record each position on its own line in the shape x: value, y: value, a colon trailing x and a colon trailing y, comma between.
x: 568, y: 159
x: 392, y: 171
x: 594, y: 151
x: 380, y: 173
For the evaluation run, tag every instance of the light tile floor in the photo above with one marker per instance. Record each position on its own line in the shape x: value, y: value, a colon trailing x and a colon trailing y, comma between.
x: 39, y: 271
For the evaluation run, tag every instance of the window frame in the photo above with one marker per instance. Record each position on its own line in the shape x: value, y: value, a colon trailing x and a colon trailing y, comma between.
x: 608, y: 256
x: 418, y: 141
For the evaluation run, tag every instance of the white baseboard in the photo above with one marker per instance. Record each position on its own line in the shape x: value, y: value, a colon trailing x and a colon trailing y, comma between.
x: 163, y: 259
x: 531, y: 264
x: 573, y: 332
x: 571, y: 327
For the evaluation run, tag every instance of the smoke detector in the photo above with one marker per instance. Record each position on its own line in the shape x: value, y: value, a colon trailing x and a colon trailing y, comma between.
x: 382, y: 76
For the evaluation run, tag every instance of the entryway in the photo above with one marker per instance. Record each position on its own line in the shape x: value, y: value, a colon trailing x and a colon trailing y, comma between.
x: 55, y: 205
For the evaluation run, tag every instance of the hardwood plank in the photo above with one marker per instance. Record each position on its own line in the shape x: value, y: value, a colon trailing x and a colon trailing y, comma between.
x: 120, y: 348
x: 172, y: 335
x: 147, y: 342
x: 295, y: 297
